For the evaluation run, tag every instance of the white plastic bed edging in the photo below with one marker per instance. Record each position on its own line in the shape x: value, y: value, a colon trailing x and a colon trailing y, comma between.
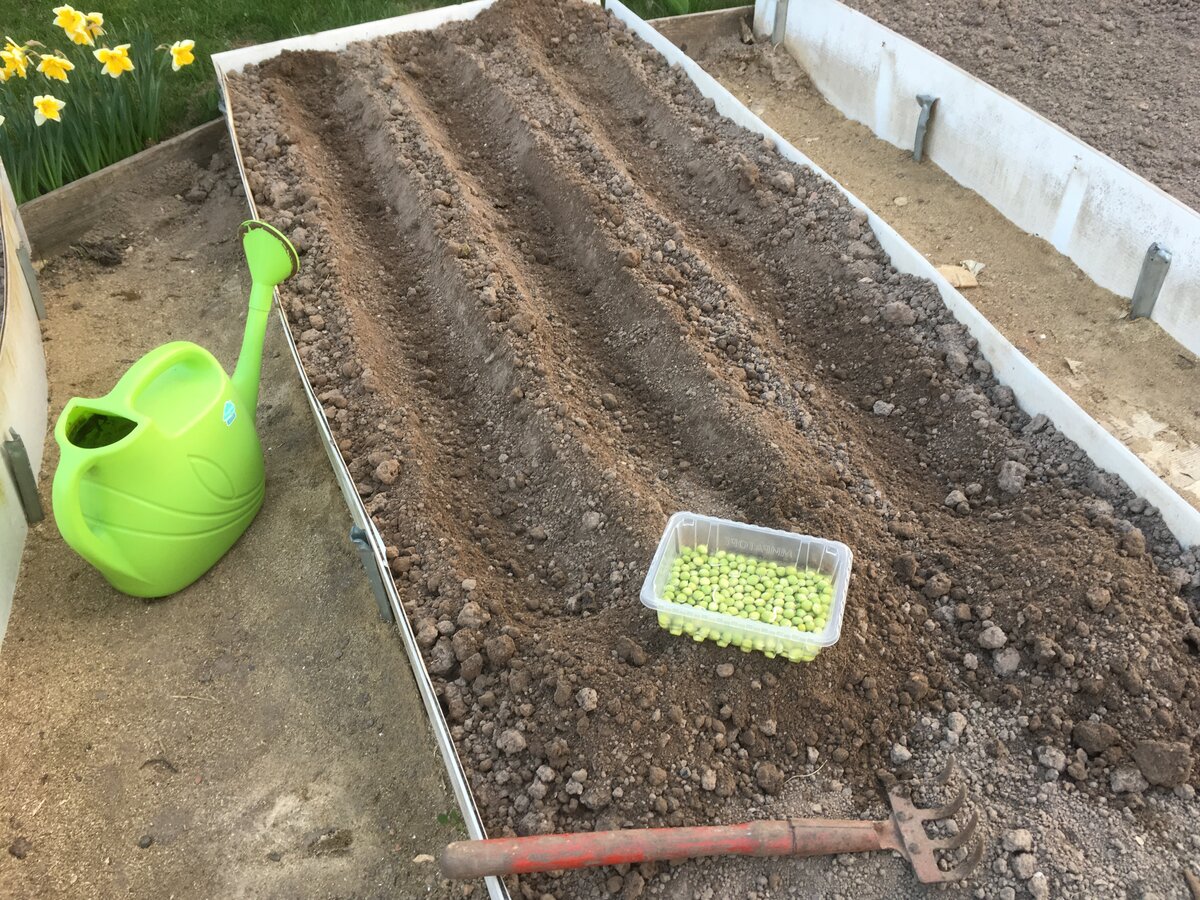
x: 1089, y: 207
x: 338, y: 38
x: 1035, y: 392
x: 24, y: 396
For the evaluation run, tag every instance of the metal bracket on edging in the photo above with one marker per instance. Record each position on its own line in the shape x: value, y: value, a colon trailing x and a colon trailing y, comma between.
x: 21, y: 469
x: 927, y: 101
x: 358, y: 537
x: 779, y: 29
x: 31, y: 282
x: 1150, y: 281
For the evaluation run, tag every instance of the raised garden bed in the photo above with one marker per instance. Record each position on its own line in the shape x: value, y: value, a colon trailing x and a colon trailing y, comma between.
x: 550, y: 297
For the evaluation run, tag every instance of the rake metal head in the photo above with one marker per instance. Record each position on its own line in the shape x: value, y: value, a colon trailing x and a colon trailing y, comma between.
x: 921, y: 850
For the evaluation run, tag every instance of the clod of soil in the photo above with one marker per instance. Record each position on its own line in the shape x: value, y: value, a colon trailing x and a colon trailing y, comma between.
x: 565, y: 298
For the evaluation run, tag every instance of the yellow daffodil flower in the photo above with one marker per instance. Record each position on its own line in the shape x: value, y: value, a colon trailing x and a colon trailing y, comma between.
x: 95, y: 24
x: 16, y: 60
x: 181, y: 54
x: 115, y: 61
x: 55, y: 67
x: 69, y: 19
x: 47, y: 109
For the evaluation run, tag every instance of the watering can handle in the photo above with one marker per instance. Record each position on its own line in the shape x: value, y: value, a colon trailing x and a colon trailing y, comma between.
x: 68, y: 512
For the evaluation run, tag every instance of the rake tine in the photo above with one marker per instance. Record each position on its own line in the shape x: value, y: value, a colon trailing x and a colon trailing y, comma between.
x: 957, y: 840
x: 964, y: 868
x: 927, y: 871
x: 944, y: 812
x: 948, y: 772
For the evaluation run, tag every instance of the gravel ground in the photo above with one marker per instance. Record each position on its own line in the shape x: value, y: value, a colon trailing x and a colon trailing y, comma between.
x: 550, y: 298
x: 1120, y: 75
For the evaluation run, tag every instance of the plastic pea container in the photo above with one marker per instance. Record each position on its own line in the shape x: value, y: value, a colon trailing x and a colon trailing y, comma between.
x: 831, y: 559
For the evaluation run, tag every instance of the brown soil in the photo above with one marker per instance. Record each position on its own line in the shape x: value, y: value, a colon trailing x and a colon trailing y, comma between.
x: 1132, y: 377
x: 1120, y: 75
x: 551, y: 298
x: 260, y: 730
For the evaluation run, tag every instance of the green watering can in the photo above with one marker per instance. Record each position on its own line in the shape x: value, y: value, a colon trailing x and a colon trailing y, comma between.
x: 158, y: 478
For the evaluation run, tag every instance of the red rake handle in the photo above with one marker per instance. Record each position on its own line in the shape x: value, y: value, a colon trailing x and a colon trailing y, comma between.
x: 544, y: 853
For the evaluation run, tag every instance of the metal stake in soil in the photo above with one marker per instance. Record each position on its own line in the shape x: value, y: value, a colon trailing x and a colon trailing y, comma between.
x: 23, y: 476
x: 780, y: 27
x: 1150, y: 281
x: 926, y: 101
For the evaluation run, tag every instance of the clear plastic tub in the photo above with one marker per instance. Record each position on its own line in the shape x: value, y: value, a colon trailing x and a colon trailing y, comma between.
x: 830, y: 558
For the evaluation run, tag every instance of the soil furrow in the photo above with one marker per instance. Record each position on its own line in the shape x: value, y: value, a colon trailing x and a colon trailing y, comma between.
x: 730, y: 182
x: 619, y: 334
x: 513, y: 345
x: 421, y: 333
x: 680, y: 202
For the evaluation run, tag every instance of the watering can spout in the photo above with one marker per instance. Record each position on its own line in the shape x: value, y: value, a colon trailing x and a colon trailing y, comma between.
x: 272, y: 260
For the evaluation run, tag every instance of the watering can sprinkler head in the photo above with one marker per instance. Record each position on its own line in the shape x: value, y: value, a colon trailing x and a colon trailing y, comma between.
x: 272, y: 260
x: 270, y: 256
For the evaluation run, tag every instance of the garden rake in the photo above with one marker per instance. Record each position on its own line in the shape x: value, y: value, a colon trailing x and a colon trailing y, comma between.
x: 903, y: 832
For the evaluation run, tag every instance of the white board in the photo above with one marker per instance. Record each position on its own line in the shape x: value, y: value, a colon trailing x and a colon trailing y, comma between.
x: 24, y: 395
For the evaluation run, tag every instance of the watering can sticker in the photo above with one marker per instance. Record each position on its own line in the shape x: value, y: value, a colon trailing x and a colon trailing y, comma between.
x: 159, y: 477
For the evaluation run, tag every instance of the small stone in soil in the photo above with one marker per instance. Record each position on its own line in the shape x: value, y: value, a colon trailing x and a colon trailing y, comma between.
x: 1023, y: 865
x: 387, y: 471
x: 145, y: 841
x: 954, y: 498
x: 992, y: 638
x: 1012, y: 477
x: 1127, y: 780
x: 1052, y: 758
x: 1019, y: 840
x: 769, y: 777
x: 1007, y: 661
x: 510, y: 741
